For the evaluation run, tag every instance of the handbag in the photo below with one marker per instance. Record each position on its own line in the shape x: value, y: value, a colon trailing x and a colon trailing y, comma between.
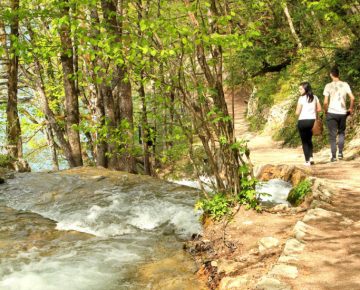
x: 317, y: 128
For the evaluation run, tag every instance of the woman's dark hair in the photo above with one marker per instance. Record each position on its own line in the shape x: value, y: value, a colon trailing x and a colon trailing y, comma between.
x: 335, y: 72
x: 308, y: 91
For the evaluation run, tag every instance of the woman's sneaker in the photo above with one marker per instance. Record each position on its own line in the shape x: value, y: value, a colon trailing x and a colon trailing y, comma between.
x: 312, y: 161
x: 307, y: 163
x: 340, y: 156
x: 333, y: 159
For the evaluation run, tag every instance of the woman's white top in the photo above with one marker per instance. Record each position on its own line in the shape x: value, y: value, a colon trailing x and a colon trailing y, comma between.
x: 308, y: 110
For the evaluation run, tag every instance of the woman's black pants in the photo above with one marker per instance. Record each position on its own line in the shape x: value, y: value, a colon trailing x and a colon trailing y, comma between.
x: 305, y: 130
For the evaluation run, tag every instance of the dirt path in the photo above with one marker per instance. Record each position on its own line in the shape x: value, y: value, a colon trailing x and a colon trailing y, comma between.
x: 263, y: 149
x: 320, y: 249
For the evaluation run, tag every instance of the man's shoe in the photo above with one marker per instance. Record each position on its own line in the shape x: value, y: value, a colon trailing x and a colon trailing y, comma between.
x: 340, y: 156
x: 312, y: 161
x: 333, y: 159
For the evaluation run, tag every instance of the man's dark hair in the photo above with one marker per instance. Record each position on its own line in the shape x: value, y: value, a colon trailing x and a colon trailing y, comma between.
x: 335, y: 72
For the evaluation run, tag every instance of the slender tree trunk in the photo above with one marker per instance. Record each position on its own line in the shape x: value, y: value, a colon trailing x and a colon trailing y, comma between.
x: 51, y: 143
x: 144, y: 126
x: 101, y: 144
x: 102, y: 89
x: 111, y: 105
x: 65, y: 146
x: 291, y: 24
x: 71, y: 93
x: 49, y: 114
x: 13, y: 129
x: 172, y: 116
x: 127, y: 162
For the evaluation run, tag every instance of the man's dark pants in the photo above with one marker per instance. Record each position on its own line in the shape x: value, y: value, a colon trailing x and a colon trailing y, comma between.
x: 336, y: 124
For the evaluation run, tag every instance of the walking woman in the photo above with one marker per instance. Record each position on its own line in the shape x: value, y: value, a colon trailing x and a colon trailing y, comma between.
x: 307, y: 108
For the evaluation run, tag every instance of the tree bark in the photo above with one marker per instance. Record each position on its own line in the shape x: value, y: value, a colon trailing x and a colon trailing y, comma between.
x: 71, y: 93
x: 144, y: 126
x: 102, y: 90
x: 51, y: 143
x: 50, y: 116
x: 13, y: 129
x: 122, y: 99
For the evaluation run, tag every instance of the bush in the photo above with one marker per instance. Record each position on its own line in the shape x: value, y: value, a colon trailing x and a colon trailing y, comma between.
x: 5, y: 160
x: 221, y: 205
x: 299, y: 192
x: 216, y: 207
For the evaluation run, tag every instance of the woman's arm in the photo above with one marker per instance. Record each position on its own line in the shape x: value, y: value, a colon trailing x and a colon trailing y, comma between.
x: 318, y: 106
x: 298, y: 109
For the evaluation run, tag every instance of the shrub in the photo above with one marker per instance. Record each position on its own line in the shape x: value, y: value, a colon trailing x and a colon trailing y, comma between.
x: 5, y: 160
x: 299, y: 192
x: 221, y: 205
x: 216, y: 207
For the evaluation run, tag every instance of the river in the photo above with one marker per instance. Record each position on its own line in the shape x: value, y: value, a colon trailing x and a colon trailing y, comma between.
x: 95, y: 229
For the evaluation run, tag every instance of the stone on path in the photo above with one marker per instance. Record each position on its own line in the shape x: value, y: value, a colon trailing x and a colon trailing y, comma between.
x: 293, y: 246
x: 319, y: 213
x: 285, y: 271
x: 267, y: 283
x: 234, y: 283
x: 228, y: 267
x: 268, y: 243
x: 301, y: 229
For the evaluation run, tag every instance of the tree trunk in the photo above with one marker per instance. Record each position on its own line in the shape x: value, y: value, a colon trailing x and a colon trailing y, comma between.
x: 144, y: 126
x: 122, y: 101
x: 71, y: 93
x: 49, y: 114
x: 51, y: 143
x: 291, y: 24
x: 13, y: 129
x: 102, y: 89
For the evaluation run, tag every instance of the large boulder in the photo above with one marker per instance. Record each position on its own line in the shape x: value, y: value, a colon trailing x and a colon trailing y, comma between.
x: 288, y: 173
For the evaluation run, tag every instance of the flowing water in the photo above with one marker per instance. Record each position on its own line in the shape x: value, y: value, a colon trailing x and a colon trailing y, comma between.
x: 276, y: 191
x: 91, y: 229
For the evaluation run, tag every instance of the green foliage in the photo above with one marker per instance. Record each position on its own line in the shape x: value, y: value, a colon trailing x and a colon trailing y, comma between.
x: 217, y: 207
x: 5, y: 160
x: 159, y: 51
x: 298, y: 193
x: 221, y: 205
x: 248, y: 195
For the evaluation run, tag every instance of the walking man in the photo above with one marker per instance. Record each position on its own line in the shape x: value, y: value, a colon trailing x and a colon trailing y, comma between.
x: 335, y: 106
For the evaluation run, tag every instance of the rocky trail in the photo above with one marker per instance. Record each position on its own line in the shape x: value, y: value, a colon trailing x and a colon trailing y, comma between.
x: 314, y: 247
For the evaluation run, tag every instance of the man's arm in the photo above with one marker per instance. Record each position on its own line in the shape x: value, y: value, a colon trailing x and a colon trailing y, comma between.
x: 352, y: 102
x: 326, y: 103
